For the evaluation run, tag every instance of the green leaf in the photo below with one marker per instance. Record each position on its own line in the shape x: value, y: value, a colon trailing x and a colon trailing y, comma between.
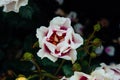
x: 81, y: 54
x: 67, y: 69
x: 47, y: 62
x: 85, y: 66
x: 28, y: 43
x: 24, y: 66
x: 26, y: 12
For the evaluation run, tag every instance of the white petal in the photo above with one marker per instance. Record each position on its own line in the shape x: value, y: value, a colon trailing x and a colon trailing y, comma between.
x: 50, y: 46
x: 4, y: 2
x: 20, y: 3
x: 72, y: 55
x: 60, y: 21
x: 69, y: 34
x: 41, y: 33
x: 12, y: 5
x: 41, y: 53
x: 52, y: 58
x: 77, y: 41
x: 63, y: 46
x: 9, y: 7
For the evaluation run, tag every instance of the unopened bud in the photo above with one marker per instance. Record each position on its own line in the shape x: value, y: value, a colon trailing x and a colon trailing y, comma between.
x: 97, y: 27
x: 27, y: 56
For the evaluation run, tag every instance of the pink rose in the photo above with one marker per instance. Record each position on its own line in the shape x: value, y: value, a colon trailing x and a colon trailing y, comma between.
x: 12, y: 5
x: 58, y: 40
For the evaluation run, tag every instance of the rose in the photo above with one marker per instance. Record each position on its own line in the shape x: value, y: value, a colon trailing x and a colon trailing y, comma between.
x: 105, y: 72
x: 12, y: 5
x: 58, y: 40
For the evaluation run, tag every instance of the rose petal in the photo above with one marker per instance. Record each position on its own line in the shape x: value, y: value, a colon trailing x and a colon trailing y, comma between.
x: 21, y: 3
x: 4, y: 2
x: 41, y: 33
x: 10, y: 7
x: 63, y: 46
x: 50, y: 46
x: 68, y: 34
x: 76, y: 41
x: 41, y: 53
x: 50, y: 32
x: 80, y: 76
x: 72, y: 55
x: 61, y: 21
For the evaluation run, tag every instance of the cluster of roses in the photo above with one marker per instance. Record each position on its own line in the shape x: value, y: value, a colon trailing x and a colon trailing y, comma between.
x: 60, y: 41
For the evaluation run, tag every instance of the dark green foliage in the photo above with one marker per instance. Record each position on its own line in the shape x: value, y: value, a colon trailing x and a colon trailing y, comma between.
x: 46, y: 62
x: 22, y: 66
x: 81, y: 54
x: 67, y: 69
x: 26, y: 12
x: 2, y: 54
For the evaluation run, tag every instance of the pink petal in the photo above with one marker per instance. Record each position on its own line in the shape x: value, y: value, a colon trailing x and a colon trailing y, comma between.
x: 80, y: 76
x: 50, y: 46
x: 76, y: 41
x: 41, y: 53
x: 63, y: 46
x: 72, y: 55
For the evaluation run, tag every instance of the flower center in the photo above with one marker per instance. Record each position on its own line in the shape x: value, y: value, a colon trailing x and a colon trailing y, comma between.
x: 55, y: 39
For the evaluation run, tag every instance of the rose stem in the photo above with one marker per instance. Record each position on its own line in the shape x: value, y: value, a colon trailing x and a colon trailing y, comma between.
x: 58, y: 69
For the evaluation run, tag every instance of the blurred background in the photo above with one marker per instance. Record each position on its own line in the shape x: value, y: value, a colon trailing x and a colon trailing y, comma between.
x: 18, y: 30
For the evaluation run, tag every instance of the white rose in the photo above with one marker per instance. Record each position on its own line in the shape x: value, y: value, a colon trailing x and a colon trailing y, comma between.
x: 12, y: 5
x: 58, y: 40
